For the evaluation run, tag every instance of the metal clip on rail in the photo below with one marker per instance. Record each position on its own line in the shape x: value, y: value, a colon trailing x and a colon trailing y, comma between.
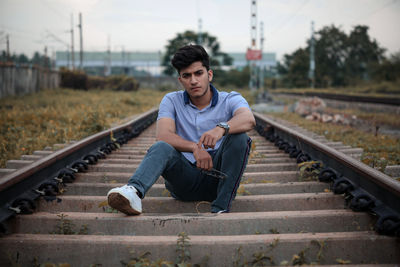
x: 80, y: 166
x: 66, y: 175
x: 23, y: 206
x: 91, y: 158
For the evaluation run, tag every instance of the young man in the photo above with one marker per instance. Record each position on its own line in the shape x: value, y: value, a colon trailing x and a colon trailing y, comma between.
x: 202, y: 147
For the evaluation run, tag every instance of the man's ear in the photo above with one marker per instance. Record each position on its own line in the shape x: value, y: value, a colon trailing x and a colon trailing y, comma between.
x: 210, y: 75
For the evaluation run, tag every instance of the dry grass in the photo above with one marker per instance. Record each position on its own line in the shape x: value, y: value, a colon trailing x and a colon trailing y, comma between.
x: 38, y: 120
x: 32, y: 122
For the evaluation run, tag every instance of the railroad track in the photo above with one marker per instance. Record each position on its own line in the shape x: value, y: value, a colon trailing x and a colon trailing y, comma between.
x: 278, y: 218
x: 393, y: 101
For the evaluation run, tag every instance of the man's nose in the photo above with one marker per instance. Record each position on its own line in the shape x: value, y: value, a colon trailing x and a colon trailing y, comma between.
x: 193, y: 79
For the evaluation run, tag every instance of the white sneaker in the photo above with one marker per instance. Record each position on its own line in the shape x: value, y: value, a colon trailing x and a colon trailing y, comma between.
x: 125, y: 200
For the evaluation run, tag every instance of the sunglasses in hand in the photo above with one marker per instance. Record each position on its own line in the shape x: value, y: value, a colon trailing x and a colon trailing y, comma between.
x: 215, y: 173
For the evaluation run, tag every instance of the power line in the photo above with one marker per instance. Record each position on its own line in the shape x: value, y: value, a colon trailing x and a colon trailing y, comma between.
x: 294, y: 14
x: 391, y: 2
x: 45, y: 3
x: 17, y: 31
x: 50, y: 34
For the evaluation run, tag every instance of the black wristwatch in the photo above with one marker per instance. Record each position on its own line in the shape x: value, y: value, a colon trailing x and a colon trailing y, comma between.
x: 225, y: 126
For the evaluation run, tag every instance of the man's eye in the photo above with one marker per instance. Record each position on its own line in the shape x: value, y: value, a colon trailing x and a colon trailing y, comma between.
x: 198, y: 73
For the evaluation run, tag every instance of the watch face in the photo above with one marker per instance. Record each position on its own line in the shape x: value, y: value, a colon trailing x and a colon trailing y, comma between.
x: 223, y: 124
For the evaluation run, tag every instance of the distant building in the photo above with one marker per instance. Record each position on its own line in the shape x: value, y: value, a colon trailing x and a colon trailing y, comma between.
x: 139, y: 63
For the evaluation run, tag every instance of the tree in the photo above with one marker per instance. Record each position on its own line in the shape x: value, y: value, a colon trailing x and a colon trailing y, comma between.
x: 330, y: 56
x: 340, y: 59
x: 210, y: 43
x: 387, y: 70
x: 37, y: 59
x: 362, y: 53
x: 3, y: 56
x: 234, y: 77
x: 22, y: 59
x: 297, y: 68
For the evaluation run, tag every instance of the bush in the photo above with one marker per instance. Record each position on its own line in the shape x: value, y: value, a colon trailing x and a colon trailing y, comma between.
x: 96, y: 82
x: 73, y: 79
x: 80, y: 80
x: 122, y: 83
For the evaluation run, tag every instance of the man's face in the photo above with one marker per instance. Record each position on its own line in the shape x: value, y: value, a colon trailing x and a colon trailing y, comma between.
x: 196, y: 79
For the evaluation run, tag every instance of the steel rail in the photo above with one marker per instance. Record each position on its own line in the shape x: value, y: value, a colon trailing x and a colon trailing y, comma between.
x: 21, y: 183
x: 376, y: 183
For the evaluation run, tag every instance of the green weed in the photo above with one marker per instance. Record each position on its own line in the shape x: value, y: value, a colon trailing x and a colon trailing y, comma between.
x: 67, y: 227
x: 308, y: 170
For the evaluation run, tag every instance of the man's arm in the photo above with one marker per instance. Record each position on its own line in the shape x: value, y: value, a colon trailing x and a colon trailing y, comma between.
x: 166, y: 132
x: 242, y: 121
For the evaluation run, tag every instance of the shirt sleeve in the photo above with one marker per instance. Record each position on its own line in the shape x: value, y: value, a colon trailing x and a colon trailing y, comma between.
x: 237, y: 101
x: 167, y: 108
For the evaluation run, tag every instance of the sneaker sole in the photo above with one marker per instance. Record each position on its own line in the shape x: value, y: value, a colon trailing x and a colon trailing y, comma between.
x: 120, y: 203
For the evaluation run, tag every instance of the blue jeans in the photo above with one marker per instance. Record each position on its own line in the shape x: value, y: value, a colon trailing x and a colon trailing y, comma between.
x: 186, y: 182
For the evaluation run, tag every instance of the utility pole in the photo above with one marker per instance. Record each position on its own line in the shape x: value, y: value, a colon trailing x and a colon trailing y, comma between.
x: 108, y: 60
x: 253, y: 35
x: 312, y: 56
x: 124, y: 68
x: 45, y: 64
x: 72, y: 43
x: 199, y: 34
x: 81, y: 43
x: 261, y: 76
x: 68, y: 53
x: 8, y: 47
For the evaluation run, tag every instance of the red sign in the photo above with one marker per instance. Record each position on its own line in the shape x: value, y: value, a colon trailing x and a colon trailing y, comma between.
x: 253, y: 54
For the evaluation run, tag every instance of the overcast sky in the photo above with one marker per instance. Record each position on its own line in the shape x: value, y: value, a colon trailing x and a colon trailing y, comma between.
x: 140, y: 25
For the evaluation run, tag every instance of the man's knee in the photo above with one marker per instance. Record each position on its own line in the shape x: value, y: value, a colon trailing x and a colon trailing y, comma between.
x: 162, y: 148
x: 239, y: 141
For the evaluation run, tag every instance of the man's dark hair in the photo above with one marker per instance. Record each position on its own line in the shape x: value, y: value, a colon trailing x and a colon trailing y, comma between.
x: 189, y: 54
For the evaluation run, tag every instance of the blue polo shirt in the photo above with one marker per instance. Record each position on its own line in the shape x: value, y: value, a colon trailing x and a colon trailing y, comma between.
x: 190, y: 122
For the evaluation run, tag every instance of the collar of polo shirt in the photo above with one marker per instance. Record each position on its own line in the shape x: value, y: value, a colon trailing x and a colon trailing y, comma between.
x: 214, y: 99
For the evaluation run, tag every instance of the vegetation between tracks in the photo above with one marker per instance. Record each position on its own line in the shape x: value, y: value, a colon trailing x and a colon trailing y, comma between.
x: 379, y: 150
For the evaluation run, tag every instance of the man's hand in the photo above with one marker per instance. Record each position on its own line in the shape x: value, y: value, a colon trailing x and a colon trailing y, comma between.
x: 203, y: 158
x: 210, y: 138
